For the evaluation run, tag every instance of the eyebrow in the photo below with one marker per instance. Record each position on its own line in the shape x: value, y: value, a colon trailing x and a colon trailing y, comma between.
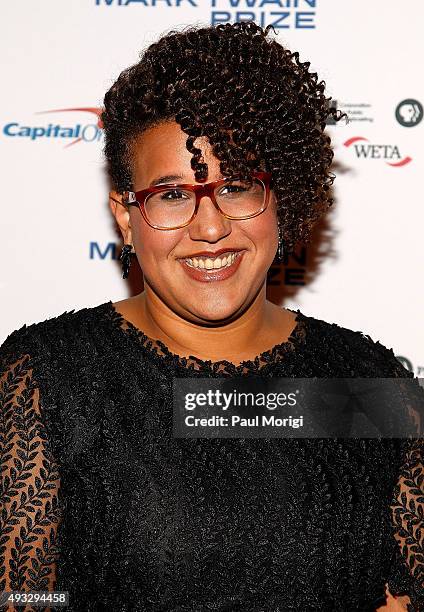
x: 167, y: 178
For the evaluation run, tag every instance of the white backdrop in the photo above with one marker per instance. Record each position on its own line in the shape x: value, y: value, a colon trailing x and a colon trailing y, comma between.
x: 62, y: 55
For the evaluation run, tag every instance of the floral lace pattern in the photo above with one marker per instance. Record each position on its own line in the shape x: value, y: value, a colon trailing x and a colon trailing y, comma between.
x: 159, y: 351
x: 98, y: 499
x: 29, y: 487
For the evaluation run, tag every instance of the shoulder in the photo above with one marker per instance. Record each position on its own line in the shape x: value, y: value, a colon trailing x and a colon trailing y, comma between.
x: 355, y: 351
x: 55, y: 334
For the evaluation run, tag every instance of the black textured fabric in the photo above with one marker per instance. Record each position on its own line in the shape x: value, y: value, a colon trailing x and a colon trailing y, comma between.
x: 98, y: 498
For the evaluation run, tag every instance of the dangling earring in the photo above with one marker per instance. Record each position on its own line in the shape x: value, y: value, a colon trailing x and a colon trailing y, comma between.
x: 280, y: 248
x: 125, y: 257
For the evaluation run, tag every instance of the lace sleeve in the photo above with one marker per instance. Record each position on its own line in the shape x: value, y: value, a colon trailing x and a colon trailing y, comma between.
x: 29, y: 486
x: 407, y: 512
x: 406, y: 579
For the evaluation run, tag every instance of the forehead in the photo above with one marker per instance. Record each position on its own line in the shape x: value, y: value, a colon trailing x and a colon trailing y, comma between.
x: 161, y: 150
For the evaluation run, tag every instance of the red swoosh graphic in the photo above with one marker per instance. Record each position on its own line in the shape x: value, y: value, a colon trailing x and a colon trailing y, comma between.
x: 86, y: 109
x: 402, y: 162
x: 73, y: 142
x: 354, y: 139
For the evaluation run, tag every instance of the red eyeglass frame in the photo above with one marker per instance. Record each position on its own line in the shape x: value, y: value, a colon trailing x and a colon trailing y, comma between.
x: 138, y: 198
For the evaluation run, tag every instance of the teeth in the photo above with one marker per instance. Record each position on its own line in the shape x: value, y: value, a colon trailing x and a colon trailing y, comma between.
x: 212, y: 264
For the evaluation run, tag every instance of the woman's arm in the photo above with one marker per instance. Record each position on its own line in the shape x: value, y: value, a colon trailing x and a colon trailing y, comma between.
x: 407, y: 514
x: 29, y: 485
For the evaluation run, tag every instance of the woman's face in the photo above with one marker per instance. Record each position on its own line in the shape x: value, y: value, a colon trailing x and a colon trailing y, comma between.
x: 160, y: 151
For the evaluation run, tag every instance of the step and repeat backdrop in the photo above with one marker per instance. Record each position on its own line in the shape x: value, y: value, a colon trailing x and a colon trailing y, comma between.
x: 364, y: 267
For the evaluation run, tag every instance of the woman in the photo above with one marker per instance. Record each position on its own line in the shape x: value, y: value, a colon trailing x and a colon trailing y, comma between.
x: 218, y: 158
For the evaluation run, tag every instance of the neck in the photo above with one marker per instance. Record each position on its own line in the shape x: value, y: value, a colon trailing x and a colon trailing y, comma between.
x: 222, y: 341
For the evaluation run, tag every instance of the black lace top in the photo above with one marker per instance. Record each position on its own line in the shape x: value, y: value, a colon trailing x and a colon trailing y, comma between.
x: 99, y: 499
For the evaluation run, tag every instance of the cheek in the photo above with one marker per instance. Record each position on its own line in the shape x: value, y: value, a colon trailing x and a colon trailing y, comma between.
x: 151, y: 244
x: 262, y: 230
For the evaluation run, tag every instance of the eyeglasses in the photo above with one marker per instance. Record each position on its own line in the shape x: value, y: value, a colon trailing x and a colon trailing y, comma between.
x: 168, y: 207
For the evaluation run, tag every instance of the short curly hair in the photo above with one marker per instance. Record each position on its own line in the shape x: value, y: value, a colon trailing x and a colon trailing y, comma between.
x: 258, y: 105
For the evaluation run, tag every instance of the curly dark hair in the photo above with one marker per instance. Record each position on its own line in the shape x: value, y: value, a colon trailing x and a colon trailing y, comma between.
x: 258, y: 105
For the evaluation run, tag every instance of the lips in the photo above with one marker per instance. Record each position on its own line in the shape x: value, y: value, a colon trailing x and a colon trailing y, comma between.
x: 211, y: 254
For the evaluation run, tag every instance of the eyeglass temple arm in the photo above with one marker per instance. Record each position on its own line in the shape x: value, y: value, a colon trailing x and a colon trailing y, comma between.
x: 132, y: 202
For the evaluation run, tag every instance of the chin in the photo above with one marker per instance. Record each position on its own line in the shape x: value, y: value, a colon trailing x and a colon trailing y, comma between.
x: 216, y: 312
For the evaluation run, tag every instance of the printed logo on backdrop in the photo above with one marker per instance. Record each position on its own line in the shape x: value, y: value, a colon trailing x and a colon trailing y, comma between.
x: 360, y: 111
x: 67, y: 131
x: 282, y: 14
x: 362, y: 148
x: 409, y: 112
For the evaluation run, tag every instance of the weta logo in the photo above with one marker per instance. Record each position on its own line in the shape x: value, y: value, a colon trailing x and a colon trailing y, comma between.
x: 388, y: 153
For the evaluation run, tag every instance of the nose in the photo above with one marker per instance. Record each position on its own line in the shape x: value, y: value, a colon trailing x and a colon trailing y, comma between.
x: 209, y: 224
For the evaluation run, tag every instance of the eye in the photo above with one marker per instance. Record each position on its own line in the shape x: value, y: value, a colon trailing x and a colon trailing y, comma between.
x: 173, y: 194
x: 235, y: 188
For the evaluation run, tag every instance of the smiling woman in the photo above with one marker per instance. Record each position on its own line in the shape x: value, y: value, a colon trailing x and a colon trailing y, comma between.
x: 181, y: 262
x: 219, y: 162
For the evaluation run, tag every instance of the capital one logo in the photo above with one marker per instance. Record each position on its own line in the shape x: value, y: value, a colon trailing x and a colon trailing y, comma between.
x: 69, y: 132
x: 390, y: 154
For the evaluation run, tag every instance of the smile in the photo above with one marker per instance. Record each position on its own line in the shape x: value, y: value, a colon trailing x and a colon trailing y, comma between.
x: 223, y: 261
x: 207, y: 269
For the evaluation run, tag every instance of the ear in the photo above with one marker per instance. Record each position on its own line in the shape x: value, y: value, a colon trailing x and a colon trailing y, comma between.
x: 122, y: 215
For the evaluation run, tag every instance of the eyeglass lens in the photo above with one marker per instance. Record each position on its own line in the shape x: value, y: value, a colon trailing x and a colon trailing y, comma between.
x: 172, y: 207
